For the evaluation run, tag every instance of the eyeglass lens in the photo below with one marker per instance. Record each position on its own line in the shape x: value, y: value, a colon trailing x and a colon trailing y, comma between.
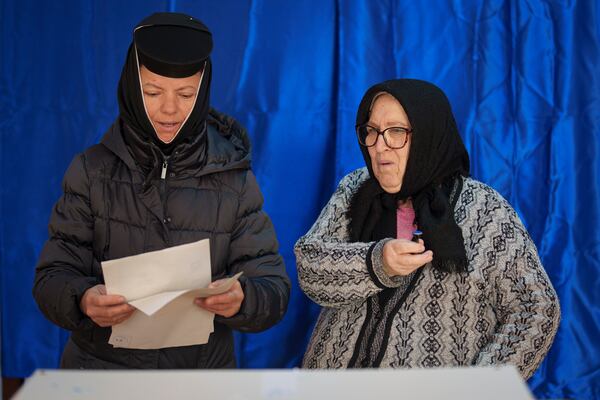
x: 394, y: 137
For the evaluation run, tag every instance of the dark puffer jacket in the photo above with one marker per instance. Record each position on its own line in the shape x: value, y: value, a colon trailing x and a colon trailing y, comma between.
x: 115, y: 206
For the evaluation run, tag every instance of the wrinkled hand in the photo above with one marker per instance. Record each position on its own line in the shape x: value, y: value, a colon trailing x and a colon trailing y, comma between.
x: 105, y: 309
x: 401, y: 257
x: 225, y: 304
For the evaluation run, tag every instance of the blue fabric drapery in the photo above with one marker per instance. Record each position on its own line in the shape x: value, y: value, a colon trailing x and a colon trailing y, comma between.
x: 523, y: 78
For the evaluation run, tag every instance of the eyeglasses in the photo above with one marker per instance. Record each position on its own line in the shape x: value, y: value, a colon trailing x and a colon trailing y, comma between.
x: 395, y: 137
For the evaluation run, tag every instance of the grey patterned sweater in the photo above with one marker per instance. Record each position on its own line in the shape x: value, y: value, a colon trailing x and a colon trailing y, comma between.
x: 503, y: 310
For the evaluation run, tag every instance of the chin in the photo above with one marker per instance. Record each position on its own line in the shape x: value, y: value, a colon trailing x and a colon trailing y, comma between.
x: 166, y: 138
x: 390, y: 187
x: 391, y: 190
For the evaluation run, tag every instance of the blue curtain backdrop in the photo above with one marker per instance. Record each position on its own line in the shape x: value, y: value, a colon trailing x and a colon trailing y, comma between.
x: 523, y: 78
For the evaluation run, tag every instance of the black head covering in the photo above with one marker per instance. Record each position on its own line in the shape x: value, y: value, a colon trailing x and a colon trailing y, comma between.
x: 172, y: 45
x: 437, y: 159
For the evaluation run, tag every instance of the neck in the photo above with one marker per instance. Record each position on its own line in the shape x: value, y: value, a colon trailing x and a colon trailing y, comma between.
x: 405, y: 203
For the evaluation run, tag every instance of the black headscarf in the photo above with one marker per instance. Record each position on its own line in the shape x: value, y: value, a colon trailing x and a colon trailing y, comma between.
x: 437, y: 158
x: 166, y: 55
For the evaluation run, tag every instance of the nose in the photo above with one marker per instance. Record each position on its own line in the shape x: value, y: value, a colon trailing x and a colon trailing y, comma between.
x: 380, y: 145
x: 169, y: 105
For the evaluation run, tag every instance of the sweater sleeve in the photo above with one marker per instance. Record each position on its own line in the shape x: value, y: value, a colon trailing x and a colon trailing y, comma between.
x: 526, y: 304
x: 64, y: 269
x: 254, y: 250
x: 332, y: 271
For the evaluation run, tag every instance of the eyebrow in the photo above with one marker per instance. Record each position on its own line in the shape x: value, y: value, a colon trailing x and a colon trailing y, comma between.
x: 161, y: 88
x: 390, y: 125
x: 187, y: 87
x: 151, y: 84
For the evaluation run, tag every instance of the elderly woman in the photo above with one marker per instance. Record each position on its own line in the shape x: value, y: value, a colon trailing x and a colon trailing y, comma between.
x: 168, y: 172
x: 472, y: 291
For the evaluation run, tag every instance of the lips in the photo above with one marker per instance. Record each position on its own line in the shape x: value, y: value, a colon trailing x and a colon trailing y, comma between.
x: 385, y: 163
x: 168, y: 126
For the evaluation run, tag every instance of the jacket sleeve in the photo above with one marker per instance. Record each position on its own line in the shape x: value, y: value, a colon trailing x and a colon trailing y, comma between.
x: 526, y: 305
x: 254, y: 250
x: 332, y: 271
x: 64, y: 269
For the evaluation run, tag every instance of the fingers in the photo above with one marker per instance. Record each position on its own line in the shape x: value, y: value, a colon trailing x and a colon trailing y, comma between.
x: 220, y: 301
x: 96, y: 296
x: 115, y: 320
x: 111, y: 312
x: 226, y: 310
x: 105, y: 321
x: 401, y: 257
x: 107, y: 300
x: 416, y: 260
x: 111, y: 317
x: 217, y: 309
x: 400, y: 246
x: 103, y: 309
x: 223, y: 299
x: 217, y: 283
x: 233, y: 296
x: 226, y: 304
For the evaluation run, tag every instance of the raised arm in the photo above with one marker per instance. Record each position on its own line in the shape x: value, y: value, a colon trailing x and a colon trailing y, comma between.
x: 332, y: 271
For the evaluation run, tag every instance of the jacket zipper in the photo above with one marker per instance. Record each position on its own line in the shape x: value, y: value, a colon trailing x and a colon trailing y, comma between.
x: 165, y: 165
x: 163, y: 189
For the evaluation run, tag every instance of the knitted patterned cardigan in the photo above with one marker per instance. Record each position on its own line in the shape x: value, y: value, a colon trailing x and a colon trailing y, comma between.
x: 503, y: 310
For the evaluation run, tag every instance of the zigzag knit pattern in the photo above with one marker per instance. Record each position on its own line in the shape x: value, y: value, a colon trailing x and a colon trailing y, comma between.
x: 503, y: 310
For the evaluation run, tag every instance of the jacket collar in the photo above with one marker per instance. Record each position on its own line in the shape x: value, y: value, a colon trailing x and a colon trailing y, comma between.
x: 227, y: 147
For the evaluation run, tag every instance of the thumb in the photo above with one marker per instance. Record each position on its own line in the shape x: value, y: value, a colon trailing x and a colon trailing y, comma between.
x: 216, y: 283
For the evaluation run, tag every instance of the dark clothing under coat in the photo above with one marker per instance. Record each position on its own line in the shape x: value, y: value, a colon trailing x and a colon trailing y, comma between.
x: 116, y: 204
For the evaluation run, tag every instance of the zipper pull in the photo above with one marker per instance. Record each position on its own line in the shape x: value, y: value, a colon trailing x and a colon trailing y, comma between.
x: 163, y: 173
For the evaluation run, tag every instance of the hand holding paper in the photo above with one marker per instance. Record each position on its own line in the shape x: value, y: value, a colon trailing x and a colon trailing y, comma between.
x: 226, y: 304
x: 163, y: 285
x: 105, y: 309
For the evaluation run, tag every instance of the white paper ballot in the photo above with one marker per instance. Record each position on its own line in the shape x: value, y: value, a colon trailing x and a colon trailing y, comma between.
x: 151, y: 304
x: 162, y: 285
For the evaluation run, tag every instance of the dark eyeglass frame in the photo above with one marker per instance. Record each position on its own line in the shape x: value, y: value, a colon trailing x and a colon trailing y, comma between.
x: 382, y: 133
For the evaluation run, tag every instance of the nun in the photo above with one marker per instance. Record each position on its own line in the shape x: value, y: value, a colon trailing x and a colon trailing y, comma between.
x: 169, y: 171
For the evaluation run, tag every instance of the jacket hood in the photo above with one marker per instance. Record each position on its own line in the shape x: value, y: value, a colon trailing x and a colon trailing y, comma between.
x: 228, y: 147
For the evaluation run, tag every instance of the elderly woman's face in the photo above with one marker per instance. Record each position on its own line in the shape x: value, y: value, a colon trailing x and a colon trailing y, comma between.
x: 388, y: 164
x: 168, y: 101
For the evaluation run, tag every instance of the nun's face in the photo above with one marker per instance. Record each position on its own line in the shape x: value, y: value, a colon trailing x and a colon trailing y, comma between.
x: 388, y: 164
x: 168, y: 101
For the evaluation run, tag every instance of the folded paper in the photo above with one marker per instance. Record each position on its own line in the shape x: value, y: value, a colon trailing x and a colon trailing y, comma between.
x: 162, y: 285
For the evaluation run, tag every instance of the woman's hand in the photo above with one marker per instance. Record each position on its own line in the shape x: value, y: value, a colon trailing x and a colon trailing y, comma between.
x: 225, y: 304
x: 105, y: 309
x: 401, y: 257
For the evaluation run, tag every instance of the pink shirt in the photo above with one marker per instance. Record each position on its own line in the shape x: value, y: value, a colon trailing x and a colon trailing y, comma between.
x: 405, y: 218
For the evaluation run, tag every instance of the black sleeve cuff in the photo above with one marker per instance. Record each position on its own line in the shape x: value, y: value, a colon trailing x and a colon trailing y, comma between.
x: 376, y: 271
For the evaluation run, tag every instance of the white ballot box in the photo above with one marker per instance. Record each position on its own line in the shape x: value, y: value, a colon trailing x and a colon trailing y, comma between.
x: 445, y: 383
